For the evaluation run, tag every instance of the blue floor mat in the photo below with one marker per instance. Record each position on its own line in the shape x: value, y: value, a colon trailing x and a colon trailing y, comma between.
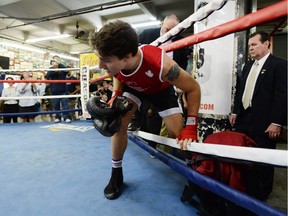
x: 61, y: 169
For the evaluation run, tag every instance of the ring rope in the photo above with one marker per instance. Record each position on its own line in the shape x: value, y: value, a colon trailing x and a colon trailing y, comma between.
x: 267, y: 14
x: 210, y: 184
x: 38, y: 70
x: 199, y: 15
x: 39, y: 81
x: 40, y: 97
x: 49, y: 69
x: 94, y: 80
x: 267, y: 156
x: 40, y: 113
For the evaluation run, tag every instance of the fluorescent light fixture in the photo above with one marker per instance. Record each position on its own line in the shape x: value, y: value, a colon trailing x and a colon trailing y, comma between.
x: 23, y: 47
x: 55, y: 37
x: 31, y: 49
x: 75, y: 52
x: 146, y: 24
x: 65, y: 56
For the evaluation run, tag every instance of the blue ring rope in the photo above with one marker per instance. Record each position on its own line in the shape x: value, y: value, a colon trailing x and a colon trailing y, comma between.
x: 235, y: 196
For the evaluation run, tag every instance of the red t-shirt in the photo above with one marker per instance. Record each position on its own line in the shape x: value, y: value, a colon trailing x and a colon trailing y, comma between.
x: 147, y: 77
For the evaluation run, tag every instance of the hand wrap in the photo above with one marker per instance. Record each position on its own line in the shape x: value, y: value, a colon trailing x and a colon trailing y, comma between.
x: 106, y: 119
x: 114, y: 95
x: 190, y: 131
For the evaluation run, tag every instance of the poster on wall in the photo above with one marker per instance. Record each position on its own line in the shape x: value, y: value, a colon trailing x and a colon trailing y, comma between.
x: 90, y: 59
x: 214, y: 64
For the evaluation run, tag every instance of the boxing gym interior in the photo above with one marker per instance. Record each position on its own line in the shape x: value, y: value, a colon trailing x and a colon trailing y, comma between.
x: 51, y: 168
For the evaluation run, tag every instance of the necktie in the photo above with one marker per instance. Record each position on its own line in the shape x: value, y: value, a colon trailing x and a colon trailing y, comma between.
x: 249, y: 88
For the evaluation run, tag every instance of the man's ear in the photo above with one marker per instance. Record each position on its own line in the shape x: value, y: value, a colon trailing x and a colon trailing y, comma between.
x: 266, y: 43
x: 128, y: 57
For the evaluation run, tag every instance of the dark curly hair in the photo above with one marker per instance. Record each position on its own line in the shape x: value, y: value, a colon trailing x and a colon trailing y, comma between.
x: 115, y: 38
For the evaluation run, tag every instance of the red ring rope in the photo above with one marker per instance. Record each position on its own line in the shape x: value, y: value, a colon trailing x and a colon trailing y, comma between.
x: 54, y: 81
x: 99, y: 78
x: 267, y: 14
x: 39, y: 81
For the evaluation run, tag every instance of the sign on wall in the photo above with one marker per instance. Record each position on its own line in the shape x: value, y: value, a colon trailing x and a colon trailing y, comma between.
x: 90, y: 59
x: 84, y: 77
x: 215, y: 62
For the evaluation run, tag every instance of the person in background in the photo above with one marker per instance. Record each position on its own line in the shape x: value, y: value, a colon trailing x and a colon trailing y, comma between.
x: 143, y: 73
x: 72, y: 89
x: 260, y: 105
x: 58, y: 89
x: 10, y: 106
x: 46, y: 103
x: 101, y: 91
x: 2, y: 77
x: 183, y: 101
x: 78, y: 104
x: 41, y: 92
x: 108, y: 89
x: 150, y: 35
x: 27, y: 89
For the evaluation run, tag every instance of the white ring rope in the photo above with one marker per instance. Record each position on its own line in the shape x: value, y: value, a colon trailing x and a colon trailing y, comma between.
x: 200, y: 14
x: 40, y: 70
x: 49, y: 69
x: 40, y: 97
x: 268, y: 156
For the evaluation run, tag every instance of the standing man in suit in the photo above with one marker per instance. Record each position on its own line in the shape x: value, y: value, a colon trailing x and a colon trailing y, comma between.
x: 151, y: 121
x: 260, y: 106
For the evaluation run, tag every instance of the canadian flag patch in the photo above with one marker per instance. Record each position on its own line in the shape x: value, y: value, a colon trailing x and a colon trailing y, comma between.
x: 149, y: 73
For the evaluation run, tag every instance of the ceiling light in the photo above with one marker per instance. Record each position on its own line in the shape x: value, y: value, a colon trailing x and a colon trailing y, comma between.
x: 145, y: 24
x: 75, y: 52
x: 55, y: 37
x: 23, y: 47
x: 31, y: 49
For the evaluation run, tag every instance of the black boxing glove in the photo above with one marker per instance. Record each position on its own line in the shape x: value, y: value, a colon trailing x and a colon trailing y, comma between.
x: 107, y: 126
x: 98, y: 108
x: 106, y: 119
x: 121, y: 105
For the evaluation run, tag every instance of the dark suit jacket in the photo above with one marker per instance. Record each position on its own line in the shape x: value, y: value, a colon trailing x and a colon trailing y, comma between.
x: 269, y: 101
x: 179, y: 56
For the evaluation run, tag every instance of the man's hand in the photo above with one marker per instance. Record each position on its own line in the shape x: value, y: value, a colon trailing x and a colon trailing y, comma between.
x: 273, y: 131
x: 189, y: 133
x: 232, y: 119
x: 114, y: 95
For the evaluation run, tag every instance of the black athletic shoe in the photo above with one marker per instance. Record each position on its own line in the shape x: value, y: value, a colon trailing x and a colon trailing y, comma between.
x: 113, y: 189
x: 132, y: 127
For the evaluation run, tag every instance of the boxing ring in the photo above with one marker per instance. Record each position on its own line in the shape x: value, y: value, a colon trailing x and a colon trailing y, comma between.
x: 62, y: 169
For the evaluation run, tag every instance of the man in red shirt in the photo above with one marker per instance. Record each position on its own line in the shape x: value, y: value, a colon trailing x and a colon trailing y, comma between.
x: 143, y: 73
